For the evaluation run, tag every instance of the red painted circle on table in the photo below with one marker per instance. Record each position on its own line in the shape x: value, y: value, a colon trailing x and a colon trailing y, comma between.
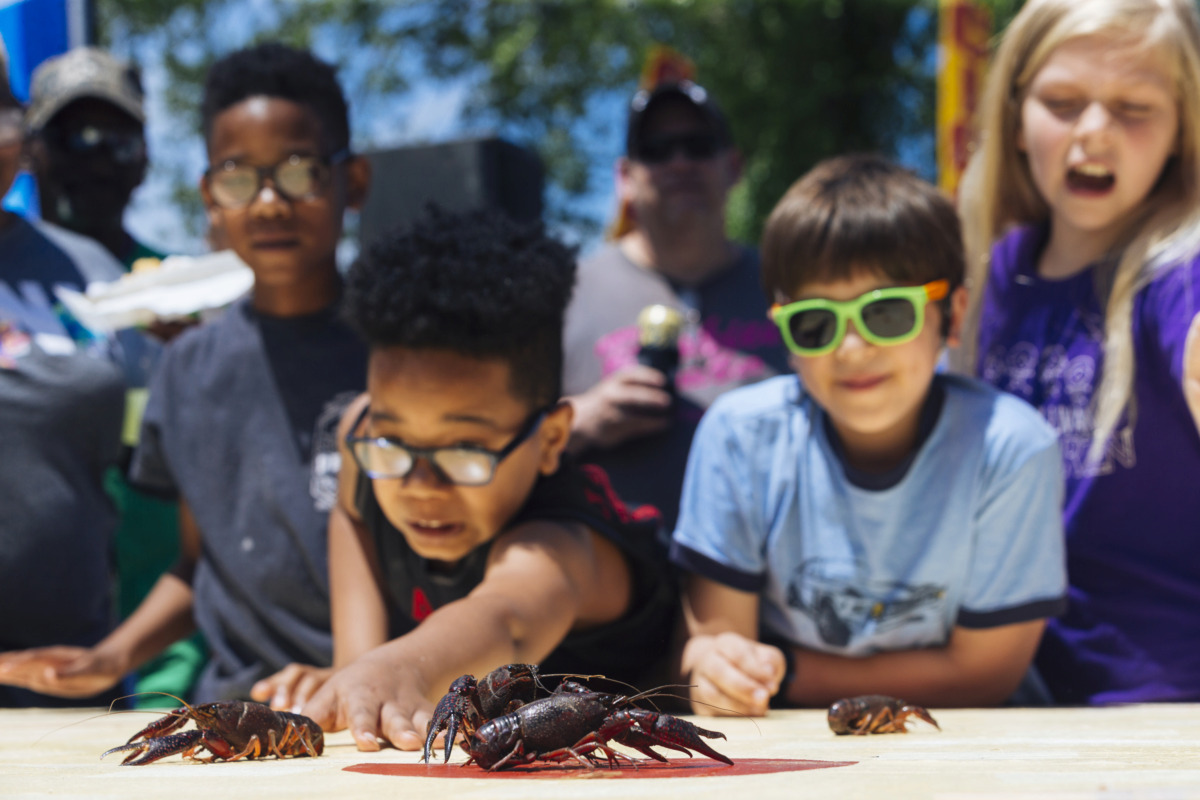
x: 675, y: 768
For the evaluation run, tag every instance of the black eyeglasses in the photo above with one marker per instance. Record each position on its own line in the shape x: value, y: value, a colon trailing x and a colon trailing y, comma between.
x: 695, y: 146
x: 234, y: 185
x: 464, y: 464
x: 123, y: 147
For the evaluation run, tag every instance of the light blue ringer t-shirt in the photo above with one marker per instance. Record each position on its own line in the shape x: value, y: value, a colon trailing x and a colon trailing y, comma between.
x: 969, y: 534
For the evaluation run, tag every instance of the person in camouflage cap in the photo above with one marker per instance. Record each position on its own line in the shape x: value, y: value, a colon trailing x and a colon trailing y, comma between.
x: 87, y: 145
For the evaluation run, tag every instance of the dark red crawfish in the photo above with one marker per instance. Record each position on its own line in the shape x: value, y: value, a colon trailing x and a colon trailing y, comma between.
x: 874, y: 713
x: 229, y: 729
x: 503, y: 725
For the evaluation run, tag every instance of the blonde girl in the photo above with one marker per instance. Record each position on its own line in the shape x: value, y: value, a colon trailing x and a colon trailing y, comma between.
x: 1081, y: 211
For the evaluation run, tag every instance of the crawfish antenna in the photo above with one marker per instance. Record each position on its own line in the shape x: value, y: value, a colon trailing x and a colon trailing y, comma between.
x: 175, y: 697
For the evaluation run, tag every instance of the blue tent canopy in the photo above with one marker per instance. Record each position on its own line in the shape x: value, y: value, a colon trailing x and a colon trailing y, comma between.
x: 33, y: 31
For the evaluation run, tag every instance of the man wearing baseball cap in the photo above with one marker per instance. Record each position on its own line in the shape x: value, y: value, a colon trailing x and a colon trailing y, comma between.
x: 87, y: 145
x: 61, y: 406
x: 88, y: 150
x: 631, y: 418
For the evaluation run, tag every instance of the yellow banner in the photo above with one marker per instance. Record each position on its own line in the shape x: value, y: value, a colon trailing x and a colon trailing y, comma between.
x: 964, y: 29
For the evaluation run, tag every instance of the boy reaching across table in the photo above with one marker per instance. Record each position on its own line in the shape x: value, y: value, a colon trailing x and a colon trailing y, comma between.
x: 872, y: 527
x: 463, y: 539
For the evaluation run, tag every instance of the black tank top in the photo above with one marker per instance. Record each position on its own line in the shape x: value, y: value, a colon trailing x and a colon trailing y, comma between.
x: 632, y: 649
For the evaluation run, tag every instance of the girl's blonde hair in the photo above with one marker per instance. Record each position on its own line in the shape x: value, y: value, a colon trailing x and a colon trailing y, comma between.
x: 998, y: 191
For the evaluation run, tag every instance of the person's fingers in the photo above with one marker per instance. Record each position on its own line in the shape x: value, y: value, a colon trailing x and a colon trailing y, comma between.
x: 261, y: 692
x: 39, y: 656
x: 741, y: 669
x: 421, y: 721
x: 276, y: 690
x: 640, y: 374
x: 16, y: 666
x: 305, y: 688
x: 400, y: 729
x: 61, y: 671
x: 362, y: 718
x: 710, y: 698
x: 762, y: 662
x: 736, y: 684
x: 321, y: 709
x: 642, y: 392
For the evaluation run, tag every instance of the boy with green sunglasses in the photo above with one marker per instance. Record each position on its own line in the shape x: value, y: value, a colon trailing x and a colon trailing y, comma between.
x: 868, y: 525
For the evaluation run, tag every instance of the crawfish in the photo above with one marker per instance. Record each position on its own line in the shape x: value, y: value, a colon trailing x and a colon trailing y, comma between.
x: 874, y: 713
x: 573, y: 722
x: 230, y: 730
x: 470, y: 703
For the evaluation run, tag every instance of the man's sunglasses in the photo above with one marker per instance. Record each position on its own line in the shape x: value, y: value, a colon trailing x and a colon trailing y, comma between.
x: 464, y: 465
x: 882, y: 316
x: 234, y: 185
x: 695, y: 146
x: 88, y: 141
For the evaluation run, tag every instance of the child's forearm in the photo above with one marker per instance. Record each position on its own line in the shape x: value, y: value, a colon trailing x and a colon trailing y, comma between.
x: 163, y: 617
x: 977, y: 668
x: 459, y: 638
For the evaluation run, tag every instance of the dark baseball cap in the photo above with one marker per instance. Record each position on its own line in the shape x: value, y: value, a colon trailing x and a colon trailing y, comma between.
x: 79, y: 73
x: 646, y: 100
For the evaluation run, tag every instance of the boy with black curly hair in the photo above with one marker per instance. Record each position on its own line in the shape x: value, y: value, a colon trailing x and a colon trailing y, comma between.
x: 242, y: 417
x: 463, y: 539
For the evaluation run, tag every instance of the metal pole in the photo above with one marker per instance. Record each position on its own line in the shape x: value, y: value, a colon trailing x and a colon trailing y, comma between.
x: 81, y: 23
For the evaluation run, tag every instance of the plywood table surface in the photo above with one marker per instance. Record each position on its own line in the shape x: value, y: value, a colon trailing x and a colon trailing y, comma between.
x: 1148, y: 751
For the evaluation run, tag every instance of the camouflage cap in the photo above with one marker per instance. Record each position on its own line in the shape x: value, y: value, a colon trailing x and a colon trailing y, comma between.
x: 79, y: 73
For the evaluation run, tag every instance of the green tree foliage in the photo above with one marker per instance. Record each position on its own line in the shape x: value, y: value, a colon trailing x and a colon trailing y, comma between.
x: 799, y: 79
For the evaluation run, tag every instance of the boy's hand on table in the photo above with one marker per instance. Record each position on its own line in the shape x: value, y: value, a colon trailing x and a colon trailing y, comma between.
x: 291, y: 687
x: 60, y: 670
x: 732, y: 674
x: 374, y: 698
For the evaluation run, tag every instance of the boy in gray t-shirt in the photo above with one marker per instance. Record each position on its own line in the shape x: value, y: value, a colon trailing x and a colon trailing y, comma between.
x: 242, y: 411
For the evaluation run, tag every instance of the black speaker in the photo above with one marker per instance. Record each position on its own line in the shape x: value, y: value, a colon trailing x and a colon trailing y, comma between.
x: 459, y: 176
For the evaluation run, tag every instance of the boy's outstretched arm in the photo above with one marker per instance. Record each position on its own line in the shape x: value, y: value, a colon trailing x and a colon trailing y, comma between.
x: 977, y: 667
x: 164, y: 616
x: 542, y: 580
x: 731, y: 672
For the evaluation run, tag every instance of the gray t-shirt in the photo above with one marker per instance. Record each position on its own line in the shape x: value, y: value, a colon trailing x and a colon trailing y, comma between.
x: 61, y: 404
x: 728, y: 342
x: 241, y: 423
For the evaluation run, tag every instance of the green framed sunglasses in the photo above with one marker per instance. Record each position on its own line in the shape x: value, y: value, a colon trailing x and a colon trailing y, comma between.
x: 894, y: 315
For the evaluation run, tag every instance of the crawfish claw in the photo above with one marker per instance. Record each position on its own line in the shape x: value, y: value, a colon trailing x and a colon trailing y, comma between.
x: 448, y: 716
x: 151, y: 750
x: 644, y: 728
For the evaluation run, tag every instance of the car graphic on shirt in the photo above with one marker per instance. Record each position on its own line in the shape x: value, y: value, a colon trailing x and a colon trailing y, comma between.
x: 846, y: 608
